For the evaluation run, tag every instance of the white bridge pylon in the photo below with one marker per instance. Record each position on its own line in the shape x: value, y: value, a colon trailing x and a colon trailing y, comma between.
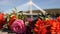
x: 31, y: 3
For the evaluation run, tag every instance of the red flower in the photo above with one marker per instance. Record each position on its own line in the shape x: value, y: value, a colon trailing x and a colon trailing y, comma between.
x: 12, y: 19
x: 35, y: 30
x: 2, y: 21
x: 58, y: 28
x: 58, y: 18
x: 40, y: 28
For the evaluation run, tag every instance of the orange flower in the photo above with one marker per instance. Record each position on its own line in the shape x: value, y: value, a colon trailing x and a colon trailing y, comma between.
x: 12, y: 19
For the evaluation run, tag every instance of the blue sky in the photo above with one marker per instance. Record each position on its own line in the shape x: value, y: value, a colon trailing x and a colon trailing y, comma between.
x: 44, y: 4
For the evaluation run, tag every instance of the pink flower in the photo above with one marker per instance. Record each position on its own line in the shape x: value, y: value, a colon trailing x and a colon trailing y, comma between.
x: 29, y: 19
x: 18, y: 26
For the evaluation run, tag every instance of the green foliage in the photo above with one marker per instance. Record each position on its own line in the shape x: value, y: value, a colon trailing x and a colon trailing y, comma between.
x: 22, y: 16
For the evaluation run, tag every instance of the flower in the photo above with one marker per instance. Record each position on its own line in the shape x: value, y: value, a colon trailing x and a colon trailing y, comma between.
x: 18, y: 26
x: 29, y: 19
x: 2, y: 20
x: 40, y: 28
x: 12, y: 19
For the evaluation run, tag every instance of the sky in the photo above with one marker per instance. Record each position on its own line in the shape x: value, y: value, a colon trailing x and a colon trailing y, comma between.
x: 6, y: 5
